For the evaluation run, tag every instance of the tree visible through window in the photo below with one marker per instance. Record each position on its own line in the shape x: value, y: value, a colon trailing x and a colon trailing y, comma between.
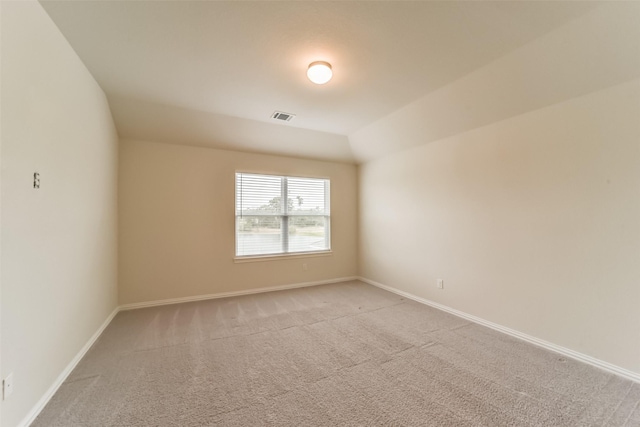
x: 265, y: 225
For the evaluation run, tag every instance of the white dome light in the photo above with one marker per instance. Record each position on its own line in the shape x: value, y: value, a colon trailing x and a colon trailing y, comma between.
x: 319, y: 72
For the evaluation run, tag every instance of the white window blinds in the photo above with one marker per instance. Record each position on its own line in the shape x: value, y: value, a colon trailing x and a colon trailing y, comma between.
x: 265, y: 225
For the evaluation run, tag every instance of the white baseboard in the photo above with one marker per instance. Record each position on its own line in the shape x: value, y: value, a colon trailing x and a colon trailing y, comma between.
x: 35, y: 411
x: 232, y: 294
x: 634, y: 376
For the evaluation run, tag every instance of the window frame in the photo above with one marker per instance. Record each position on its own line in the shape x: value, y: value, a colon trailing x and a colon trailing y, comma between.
x: 284, y: 216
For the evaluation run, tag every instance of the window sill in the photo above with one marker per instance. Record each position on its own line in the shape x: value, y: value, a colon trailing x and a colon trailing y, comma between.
x: 275, y: 257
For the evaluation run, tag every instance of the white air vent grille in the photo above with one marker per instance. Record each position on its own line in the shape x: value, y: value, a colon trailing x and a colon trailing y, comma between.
x: 285, y: 117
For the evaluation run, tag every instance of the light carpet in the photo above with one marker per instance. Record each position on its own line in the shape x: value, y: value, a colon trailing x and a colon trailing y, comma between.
x: 346, y: 354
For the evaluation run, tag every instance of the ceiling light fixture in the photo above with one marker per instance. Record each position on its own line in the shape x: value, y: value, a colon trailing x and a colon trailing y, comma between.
x: 319, y: 72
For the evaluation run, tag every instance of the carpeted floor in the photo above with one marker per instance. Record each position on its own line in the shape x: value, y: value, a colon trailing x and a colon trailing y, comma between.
x: 333, y: 355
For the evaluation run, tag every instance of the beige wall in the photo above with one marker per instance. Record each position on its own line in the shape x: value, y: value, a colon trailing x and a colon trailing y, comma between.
x: 532, y: 222
x: 59, y: 242
x: 177, y: 223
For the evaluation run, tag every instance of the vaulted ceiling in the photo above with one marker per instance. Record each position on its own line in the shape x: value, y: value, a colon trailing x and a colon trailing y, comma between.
x: 211, y: 73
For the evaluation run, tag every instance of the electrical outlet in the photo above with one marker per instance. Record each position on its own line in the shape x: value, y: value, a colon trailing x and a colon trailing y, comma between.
x: 440, y: 284
x: 7, y: 386
x: 305, y: 267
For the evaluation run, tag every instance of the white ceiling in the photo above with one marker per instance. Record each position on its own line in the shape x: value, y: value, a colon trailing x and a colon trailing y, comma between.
x: 212, y: 73
x: 592, y: 52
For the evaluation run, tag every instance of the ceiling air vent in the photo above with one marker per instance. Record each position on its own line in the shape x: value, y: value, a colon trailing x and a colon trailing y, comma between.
x: 285, y: 117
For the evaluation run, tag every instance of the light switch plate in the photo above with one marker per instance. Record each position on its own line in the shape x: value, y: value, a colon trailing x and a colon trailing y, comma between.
x: 7, y: 386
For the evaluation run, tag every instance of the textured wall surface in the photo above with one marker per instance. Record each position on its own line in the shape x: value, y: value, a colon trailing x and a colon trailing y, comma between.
x: 59, y: 243
x: 177, y: 222
x: 532, y: 223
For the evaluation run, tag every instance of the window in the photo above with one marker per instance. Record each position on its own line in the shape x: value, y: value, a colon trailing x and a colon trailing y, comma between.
x: 266, y: 226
